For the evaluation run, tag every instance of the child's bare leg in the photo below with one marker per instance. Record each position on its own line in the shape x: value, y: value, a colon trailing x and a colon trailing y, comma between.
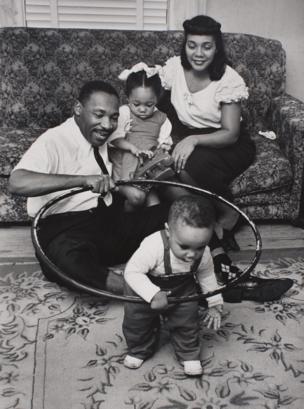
x: 135, y: 197
x: 152, y: 198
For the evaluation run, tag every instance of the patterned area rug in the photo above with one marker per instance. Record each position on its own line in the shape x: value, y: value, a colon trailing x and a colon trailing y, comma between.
x: 64, y: 350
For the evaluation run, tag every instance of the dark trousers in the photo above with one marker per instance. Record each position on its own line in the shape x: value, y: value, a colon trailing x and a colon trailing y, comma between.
x: 211, y: 169
x: 82, y: 244
x: 141, y: 326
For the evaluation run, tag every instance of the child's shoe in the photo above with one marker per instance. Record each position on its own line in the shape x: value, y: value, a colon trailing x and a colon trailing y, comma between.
x: 193, y: 368
x: 132, y: 363
x: 159, y: 167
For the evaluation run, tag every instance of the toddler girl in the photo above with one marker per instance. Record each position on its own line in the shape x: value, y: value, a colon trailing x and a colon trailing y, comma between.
x: 141, y: 129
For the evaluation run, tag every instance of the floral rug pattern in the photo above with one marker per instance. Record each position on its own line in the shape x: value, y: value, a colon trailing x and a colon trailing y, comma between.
x: 64, y: 350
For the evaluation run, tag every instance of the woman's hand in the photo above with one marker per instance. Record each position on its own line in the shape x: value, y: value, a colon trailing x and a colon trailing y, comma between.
x: 182, y: 151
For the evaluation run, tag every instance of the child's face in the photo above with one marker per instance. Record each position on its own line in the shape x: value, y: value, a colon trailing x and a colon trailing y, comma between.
x: 187, y: 242
x: 142, y: 102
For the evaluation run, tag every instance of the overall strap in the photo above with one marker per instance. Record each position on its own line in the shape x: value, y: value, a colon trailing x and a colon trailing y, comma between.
x: 195, y: 265
x: 167, y: 261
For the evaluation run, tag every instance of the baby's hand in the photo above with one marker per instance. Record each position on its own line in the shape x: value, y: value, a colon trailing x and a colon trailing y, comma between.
x: 136, y: 152
x: 148, y: 154
x: 213, y: 318
x: 128, y: 126
x: 165, y: 147
x: 159, y: 301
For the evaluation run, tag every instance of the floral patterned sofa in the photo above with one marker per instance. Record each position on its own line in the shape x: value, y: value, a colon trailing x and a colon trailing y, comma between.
x: 42, y: 70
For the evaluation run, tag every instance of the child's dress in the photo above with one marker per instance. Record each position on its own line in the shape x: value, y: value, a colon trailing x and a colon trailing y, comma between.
x: 145, y: 134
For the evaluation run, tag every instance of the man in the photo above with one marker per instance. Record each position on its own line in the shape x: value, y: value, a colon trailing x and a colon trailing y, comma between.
x: 85, y: 232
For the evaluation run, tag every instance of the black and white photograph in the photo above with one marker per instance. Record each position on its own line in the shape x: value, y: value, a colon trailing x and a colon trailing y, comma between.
x: 151, y: 204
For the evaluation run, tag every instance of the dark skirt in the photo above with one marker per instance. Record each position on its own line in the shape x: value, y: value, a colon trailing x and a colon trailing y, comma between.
x: 212, y: 168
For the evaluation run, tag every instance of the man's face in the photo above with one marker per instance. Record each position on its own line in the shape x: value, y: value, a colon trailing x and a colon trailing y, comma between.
x: 97, y: 117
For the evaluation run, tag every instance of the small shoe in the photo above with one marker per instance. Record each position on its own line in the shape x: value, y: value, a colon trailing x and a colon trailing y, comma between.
x: 193, y: 368
x: 156, y: 168
x: 132, y: 363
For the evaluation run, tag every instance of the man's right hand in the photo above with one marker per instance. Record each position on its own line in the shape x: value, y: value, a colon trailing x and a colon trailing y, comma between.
x: 99, y: 183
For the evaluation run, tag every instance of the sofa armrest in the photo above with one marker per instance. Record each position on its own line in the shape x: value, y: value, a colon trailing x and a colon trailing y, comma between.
x: 288, y: 124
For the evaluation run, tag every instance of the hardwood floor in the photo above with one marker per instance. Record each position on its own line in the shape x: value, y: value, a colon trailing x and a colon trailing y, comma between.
x: 15, y: 241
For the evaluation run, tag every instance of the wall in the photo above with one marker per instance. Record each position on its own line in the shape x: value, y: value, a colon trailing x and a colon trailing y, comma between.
x: 279, y: 19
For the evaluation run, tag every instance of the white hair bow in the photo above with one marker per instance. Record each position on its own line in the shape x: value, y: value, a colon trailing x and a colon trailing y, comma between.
x: 141, y: 66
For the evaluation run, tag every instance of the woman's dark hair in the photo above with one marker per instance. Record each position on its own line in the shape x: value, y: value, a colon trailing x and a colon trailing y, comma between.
x: 95, y: 86
x: 140, y: 79
x: 205, y: 25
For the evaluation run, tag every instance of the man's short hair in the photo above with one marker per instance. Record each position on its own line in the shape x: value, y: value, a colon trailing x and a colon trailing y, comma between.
x: 95, y: 86
x: 195, y: 211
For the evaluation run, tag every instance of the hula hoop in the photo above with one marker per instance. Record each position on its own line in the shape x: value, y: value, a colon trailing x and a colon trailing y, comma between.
x: 172, y: 300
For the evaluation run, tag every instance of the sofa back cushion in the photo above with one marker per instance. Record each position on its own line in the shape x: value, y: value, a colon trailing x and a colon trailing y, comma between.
x: 41, y: 70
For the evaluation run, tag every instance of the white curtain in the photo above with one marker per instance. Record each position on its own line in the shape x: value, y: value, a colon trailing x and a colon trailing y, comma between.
x: 11, y: 13
x: 180, y: 10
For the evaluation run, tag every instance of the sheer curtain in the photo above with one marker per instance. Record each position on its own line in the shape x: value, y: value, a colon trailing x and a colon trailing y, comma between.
x: 11, y: 13
x: 181, y: 10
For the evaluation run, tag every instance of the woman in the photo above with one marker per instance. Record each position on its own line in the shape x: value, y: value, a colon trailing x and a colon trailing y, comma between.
x: 203, y: 103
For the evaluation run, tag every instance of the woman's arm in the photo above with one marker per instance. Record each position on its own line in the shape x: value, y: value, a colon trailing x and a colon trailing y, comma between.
x: 227, y: 135
x: 23, y: 182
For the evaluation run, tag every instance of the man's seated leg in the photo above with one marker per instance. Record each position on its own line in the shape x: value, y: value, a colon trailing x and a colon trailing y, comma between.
x: 85, y: 248
x: 251, y: 288
x: 131, y: 228
x: 78, y: 260
x: 258, y: 289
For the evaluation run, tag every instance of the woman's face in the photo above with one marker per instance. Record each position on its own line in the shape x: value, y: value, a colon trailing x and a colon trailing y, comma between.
x: 200, y: 51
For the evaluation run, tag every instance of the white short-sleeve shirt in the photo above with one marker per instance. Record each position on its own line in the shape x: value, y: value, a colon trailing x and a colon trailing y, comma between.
x: 201, y: 109
x: 64, y: 150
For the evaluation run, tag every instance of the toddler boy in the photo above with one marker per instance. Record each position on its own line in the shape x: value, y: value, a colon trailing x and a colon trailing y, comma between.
x: 172, y: 261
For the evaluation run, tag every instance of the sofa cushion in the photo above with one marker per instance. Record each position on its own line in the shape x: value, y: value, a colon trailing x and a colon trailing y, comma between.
x: 12, y: 208
x: 270, y: 170
x: 14, y: 142
x: 275, y: 197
